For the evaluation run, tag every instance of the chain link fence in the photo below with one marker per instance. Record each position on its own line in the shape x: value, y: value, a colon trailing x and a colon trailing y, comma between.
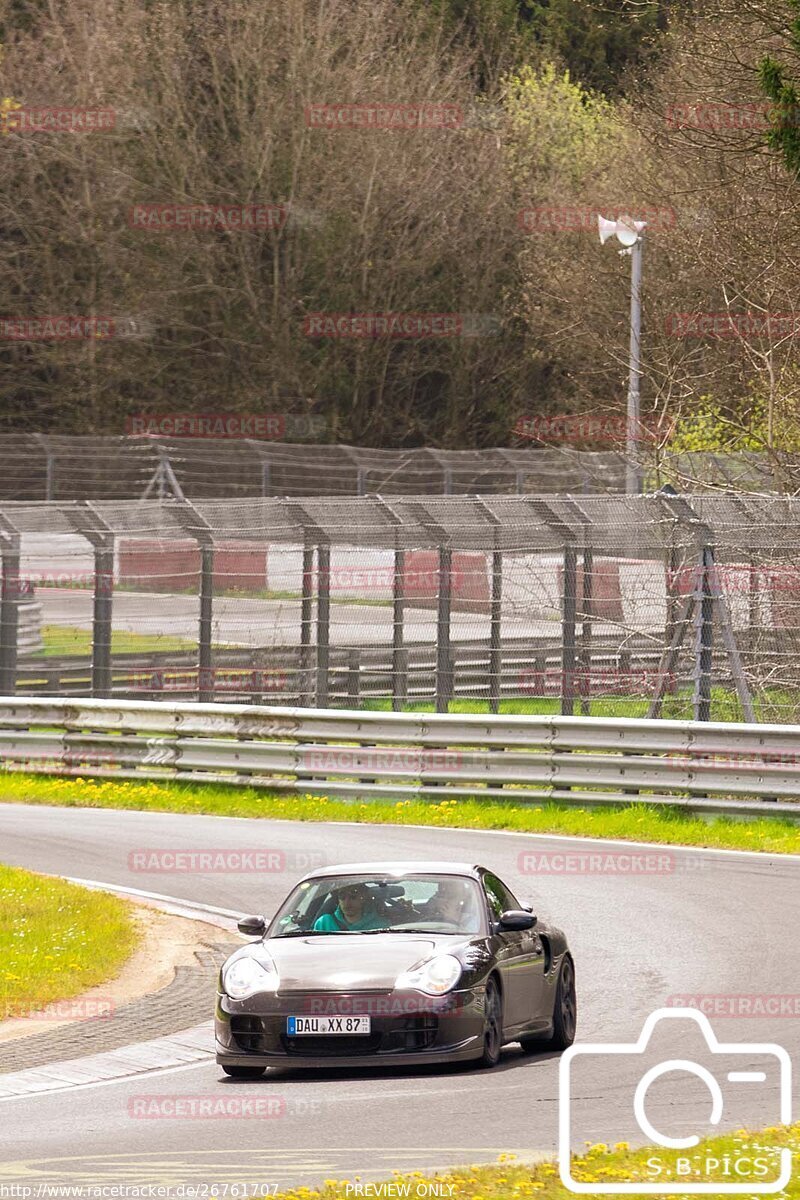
x: 665, y: 604
x: 49, y: 467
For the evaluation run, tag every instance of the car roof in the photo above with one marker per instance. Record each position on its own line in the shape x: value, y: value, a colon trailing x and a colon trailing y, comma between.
x: 410, y: 867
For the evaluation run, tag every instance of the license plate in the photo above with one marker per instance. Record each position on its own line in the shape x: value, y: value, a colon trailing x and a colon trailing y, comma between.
x: 319, y: 1026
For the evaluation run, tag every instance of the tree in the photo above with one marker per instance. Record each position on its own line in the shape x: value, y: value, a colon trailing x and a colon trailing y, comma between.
x: 784, y: 134
x: 605, y: 44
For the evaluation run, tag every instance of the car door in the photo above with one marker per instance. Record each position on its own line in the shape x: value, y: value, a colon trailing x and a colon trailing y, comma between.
x: 520, y: 958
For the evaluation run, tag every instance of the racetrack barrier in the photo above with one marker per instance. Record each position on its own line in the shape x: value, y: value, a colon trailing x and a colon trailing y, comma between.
x: 702, y: 767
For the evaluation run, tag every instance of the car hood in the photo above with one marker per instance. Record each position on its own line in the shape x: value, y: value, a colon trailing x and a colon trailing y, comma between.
x: 349, y: 962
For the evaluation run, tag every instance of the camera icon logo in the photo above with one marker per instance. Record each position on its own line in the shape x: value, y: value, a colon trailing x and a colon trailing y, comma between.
x: 758, y: 1063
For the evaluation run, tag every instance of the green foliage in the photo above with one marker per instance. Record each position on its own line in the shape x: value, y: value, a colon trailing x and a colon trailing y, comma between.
x: 56, y: 940
x: 559, y: 129
x: 597, y: 1164
x: 601, y: 42
x: 708, y: 428
x: 784, y: 134
x: 711, y: 428
x: 498, y: 32
x: 640, y: 821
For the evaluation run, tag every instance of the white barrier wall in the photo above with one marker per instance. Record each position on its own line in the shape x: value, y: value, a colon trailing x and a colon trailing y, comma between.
x: 354, y: 572
x: 532, y: 583
x: 62, y: 560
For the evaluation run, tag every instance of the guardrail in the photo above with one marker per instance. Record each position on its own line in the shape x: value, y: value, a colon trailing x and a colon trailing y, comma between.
x: 616, y: 665
x: 700, y: 767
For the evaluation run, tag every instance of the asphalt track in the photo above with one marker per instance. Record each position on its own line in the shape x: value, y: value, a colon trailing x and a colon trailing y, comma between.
x: 700, y: 923
x: 245, y: 622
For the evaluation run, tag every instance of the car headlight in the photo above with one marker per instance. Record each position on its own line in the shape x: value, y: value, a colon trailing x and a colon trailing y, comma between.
x: 435, y: 977
x: 246, y: 976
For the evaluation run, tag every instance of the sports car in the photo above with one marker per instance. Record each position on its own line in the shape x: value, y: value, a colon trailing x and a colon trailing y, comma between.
x: 394, y: 963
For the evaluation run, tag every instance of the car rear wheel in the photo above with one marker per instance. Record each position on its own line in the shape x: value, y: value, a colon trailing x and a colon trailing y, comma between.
x: 492, y: 1025
x: 243, y: 1072
x: 565, y: 1014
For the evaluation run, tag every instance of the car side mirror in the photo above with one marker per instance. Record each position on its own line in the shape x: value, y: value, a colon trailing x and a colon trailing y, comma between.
x: 516, y: 919
x: 252, y: 926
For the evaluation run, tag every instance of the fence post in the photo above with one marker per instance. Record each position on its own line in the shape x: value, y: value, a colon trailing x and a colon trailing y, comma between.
x: 102, y: 619
x: 703, y: 639
x: 586, y: 631
x: 313, y: 535
x: 568, y: 636
x: 88, y: 522
x: 205, y: 679
x: 353, y: 679
x: 401, y: 679
x: 444, y: 666
x: 399, y: 659
x: 496, y: 609
x: 49, y: 466
x: 9, y: 607
x: 306, y: 613
x: 323, y: 622
x: 199, y: 529
x: 569, y: 606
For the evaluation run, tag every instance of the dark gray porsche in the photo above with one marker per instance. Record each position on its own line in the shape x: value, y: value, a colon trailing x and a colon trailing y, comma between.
x: 380, y: 963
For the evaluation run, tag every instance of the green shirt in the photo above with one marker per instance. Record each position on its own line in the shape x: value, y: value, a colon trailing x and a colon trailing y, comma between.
x: 335, y: 922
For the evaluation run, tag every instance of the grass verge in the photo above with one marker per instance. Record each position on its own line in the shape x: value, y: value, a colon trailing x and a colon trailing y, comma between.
x: 644, y: 822
x: 752, y: 1151
x: 770, y: 704
x: 56, y: 940
x: 61, y: 640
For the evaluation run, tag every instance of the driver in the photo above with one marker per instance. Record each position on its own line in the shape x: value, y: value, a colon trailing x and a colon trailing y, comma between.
x: 354, y: 911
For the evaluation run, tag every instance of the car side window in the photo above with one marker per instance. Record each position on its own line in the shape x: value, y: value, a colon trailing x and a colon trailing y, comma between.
x: 499, y: 897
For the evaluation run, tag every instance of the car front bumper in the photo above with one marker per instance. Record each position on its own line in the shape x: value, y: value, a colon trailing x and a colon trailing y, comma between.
x: 407, y: 1027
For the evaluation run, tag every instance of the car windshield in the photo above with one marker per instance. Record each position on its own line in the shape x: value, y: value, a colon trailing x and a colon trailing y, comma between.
x: 382, y: 904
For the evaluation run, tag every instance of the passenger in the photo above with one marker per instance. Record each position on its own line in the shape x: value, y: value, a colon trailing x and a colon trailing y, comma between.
x: 448, y: 904
x: 354, y: 912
